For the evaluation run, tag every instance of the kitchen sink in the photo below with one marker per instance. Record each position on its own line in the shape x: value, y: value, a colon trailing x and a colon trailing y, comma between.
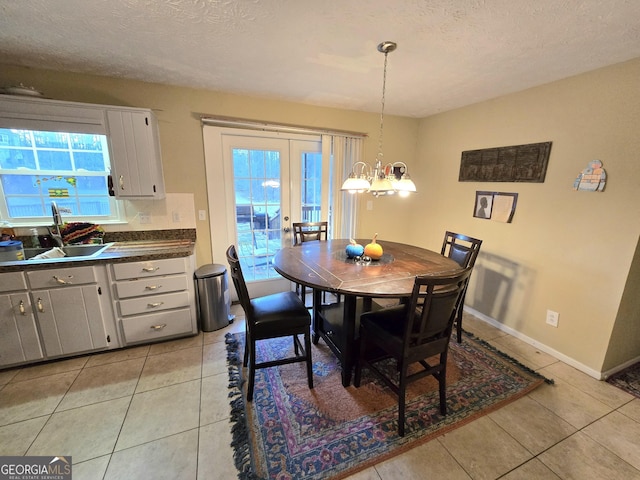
x: 84, y: 250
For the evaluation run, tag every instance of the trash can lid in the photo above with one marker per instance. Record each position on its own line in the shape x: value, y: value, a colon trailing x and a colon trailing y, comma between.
x: 210, y: 270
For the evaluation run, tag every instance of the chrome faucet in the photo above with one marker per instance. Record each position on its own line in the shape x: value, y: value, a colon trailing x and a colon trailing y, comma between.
x: 57, y: 221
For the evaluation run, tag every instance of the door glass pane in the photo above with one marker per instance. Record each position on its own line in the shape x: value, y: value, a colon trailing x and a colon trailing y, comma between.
x: 311, y: 187
x: 257, y: 197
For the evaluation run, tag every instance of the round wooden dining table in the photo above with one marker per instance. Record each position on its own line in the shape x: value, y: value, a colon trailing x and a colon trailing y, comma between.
x: 324, y: 266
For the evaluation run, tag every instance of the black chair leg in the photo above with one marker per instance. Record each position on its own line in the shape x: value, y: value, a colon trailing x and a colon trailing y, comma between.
x: 442, y: 383
x: 247, y: 340
x: 252, y: 370
x: 307, y: 346
x: 295, y: 345
x: 402, y: 393
x: 459, y: 318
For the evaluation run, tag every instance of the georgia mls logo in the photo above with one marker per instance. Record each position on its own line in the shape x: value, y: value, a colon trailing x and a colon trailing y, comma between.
x: 60, y: 465
x: 35, y: 468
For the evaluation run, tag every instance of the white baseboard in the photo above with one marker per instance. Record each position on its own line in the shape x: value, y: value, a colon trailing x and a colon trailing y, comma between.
x: 540, y: 346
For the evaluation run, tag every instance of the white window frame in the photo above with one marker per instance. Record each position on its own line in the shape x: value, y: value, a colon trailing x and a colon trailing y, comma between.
x: 116, y: 215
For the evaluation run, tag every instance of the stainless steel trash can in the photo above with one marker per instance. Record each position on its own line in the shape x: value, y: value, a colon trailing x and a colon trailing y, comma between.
x: 212, y: 297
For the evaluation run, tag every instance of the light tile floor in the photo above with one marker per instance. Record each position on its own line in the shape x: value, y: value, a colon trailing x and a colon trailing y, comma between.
x: 161, y: 411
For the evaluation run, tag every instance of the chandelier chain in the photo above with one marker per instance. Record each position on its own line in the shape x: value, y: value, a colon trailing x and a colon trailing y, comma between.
x: 380, y: 179
x: 384, y: 84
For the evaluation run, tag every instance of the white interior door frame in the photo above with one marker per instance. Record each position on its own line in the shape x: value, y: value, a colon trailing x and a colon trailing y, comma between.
x: 220, y: 192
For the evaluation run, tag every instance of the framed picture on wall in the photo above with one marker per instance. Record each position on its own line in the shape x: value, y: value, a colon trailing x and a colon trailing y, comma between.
x: 497, y: 206
x: 504, y: 207
x: 484, y: 204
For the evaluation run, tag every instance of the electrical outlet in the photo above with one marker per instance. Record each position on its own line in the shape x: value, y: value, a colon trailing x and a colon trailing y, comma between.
x: 144, y: 217
x: 369, y: 204
x: 176, y: 217
x: 202, y: 214
x: 552, y: 318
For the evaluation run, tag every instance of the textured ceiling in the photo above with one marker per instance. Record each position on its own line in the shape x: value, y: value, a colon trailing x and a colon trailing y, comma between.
x: 450, y: 53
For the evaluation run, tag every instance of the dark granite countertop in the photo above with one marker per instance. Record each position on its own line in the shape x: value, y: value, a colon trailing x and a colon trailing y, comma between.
x: 143, y: 247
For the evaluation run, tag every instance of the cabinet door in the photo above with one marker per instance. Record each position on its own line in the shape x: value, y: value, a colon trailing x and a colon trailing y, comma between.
x: 19, y: 341
x: 70, y: 319
x: 135, y: 154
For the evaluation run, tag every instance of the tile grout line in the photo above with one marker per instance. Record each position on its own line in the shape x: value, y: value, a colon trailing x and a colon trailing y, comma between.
x: 124, y: 418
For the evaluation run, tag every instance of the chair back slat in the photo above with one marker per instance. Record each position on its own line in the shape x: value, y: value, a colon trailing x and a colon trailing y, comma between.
x: 239, y: 282
x: 461, y: 248
x: 432, y: 309
x: 309, y: 232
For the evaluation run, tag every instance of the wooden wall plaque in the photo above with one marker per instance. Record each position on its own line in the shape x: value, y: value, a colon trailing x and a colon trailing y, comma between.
x: 519, y: 163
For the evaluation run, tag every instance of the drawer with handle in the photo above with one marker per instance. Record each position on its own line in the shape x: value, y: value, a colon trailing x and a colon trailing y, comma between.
x: 151, y: 286
x: 156, y: 326
x: 61, y: 277
x: 152, y: 303
x: 167, y: 266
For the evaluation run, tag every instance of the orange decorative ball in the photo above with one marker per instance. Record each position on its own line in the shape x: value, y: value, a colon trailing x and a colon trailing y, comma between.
x: 373, y: 249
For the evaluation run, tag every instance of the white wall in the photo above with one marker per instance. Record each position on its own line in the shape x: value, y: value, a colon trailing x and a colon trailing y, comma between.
x: 567, y: 251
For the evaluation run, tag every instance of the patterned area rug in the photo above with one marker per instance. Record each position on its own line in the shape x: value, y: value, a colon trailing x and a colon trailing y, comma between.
x: 292, y: 432
x: 627, y: 379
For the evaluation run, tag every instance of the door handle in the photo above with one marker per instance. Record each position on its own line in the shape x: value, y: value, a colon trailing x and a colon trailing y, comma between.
x: 286, y: 229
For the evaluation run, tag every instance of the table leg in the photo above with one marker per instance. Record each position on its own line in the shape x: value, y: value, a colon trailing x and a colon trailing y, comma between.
x: 317, y: 305
x: 347, y: 348
x: 367, y: 304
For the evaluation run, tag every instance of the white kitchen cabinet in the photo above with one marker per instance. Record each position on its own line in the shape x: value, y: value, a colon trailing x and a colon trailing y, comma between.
x: 19, y: 339
x: 155, y: 299
x: 136, y: 164
x: 132, y: 133
x: 73, y: 310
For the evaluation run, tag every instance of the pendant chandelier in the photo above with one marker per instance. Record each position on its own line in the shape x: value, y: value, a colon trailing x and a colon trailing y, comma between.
x: 380, y: 180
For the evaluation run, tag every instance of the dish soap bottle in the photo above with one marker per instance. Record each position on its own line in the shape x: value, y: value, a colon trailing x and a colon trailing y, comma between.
x: 35, y: 242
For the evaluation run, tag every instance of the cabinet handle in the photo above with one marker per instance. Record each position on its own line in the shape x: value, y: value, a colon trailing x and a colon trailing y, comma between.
x: 21, y: 307
x: 62, y: 281
x: 40, y: 306
x: 150, y: 269
x: 158, y: 327
x: 153, y: 287
x: 154, y: 305
x: 121, y: 182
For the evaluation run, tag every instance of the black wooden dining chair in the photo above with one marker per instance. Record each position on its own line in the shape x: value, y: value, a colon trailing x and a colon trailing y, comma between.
x: 464, y: 250
x: 271, y: 316
x: 310, y: 232
x: 412, y: 333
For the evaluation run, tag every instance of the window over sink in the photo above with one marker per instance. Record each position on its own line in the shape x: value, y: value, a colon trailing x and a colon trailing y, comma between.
x: 38, y: 167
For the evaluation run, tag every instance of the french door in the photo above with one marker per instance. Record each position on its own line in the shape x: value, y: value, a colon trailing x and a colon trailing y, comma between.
x: 270, y: 180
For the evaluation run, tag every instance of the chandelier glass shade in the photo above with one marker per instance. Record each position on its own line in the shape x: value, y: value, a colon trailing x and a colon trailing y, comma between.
x: 380, y: 180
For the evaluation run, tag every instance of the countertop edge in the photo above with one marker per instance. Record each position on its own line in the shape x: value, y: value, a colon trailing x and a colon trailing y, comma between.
x: 106, y: 257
